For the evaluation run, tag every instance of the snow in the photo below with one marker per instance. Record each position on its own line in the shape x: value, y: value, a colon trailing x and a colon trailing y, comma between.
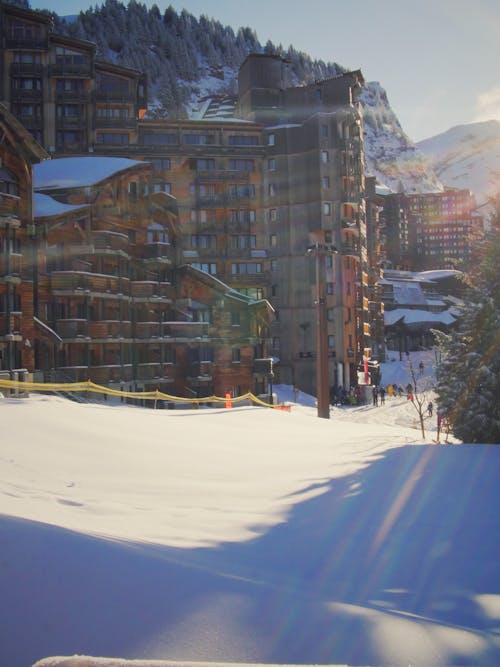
x: 45, y: 206
x: 467, y: 157
x: 415, y: 316
x: 246, y: 534
x: 72, y: 172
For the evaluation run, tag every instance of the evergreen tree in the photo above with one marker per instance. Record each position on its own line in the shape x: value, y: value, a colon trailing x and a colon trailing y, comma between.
x: 469, y: 373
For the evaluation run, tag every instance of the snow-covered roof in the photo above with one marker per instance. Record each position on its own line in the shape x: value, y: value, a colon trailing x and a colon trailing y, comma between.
x: 409, y: 316
x: 438, y: 274
x: 76, y: 172
x: 45, y: 206
x: 409, y: 293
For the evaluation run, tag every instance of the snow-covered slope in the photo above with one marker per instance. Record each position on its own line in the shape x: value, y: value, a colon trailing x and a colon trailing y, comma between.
x: 391, y: 156
x: 467, y: 156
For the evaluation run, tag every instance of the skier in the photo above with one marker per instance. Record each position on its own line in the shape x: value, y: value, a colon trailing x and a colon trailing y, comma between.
x: 375, y: 395
x: 382, y: 395
x: 430, y: 408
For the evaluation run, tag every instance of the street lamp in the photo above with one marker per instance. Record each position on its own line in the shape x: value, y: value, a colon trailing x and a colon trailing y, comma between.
x: 320, y: 250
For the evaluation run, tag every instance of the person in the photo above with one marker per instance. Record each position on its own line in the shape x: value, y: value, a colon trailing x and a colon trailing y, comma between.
x: 382, y: 395
x: 375, y: 394
x: 390, y: 390
x: 421, y: 367
x: 430, y: 408
x: 400, y: 391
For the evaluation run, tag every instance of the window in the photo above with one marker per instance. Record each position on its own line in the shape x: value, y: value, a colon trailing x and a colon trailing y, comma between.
x: 112, y: 138
x: 243, y: 140
x: 274, y: 265
x: 247, y: 268
x: 205, y: 164
x: 156, y: 233
x: 325, y: 157
x: 203, y: 241
x: 160, y: 187
x: 271, y: 189
x: 235, y: 355
x: 274, y: 290
x: 157, y: 139
x: 273, y: 214
x: 324, y: 131
x: 198, y: 139
x: 271, y: 139
x: 235, y: 318
x: 241, y: 241
x: 276, y: 343
x: 8, y: 182
x: 329, y: 314
x: 331, y: 342
x: 273, y: 241
x: 69, y: 86
x: 325, y: 181
x: 253, y: 292
x: 27, y: 58
x: 241, y: 165
x: 65, y: 56
x: 208, y: 267
x: 271, y: 164
x: 327, y: 208
x: 27, y: 84
x: 161, y: 164
x: 329, y: 288
x: 239, y: 191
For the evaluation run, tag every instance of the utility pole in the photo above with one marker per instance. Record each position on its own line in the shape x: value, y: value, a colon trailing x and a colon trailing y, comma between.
x: 320, y: 250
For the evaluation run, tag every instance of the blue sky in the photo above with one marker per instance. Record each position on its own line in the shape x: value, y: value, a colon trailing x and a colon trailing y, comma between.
x: 437, y: 59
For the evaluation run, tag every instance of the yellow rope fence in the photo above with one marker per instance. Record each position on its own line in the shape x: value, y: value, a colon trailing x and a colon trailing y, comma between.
x: 156, y: 395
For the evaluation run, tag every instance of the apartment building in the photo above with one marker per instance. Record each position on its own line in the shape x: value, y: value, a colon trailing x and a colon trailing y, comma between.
x: 270, y: 194
x: 18, y: 153
x: 430, y: 230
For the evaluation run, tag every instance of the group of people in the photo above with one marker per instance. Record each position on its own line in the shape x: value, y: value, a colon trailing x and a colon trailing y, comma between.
x: 341, y: 396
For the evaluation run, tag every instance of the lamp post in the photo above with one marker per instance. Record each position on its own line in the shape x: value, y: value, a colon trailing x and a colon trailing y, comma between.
x: 319, y: 250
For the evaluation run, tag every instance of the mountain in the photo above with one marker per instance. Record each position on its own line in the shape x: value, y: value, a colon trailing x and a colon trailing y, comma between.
x: 391, y: 155
x: 467, y: 156
x: 189, y: 61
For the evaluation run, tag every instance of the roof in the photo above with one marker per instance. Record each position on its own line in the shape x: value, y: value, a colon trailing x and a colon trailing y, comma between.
x: 409, y: 316
x: 45, y: 206
x: 19, y: 138
x: 78, y: 172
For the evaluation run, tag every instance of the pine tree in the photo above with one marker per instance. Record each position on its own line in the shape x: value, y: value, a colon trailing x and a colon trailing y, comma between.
x: 469, y: 373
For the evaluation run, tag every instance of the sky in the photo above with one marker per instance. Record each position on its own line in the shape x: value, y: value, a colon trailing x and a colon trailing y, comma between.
x: 438, y: 61
x: 246, y: 535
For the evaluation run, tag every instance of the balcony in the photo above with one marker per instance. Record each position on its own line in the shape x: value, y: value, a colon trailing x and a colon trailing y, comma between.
x: 27, y: 43
x: 71, y: 328
x: 105, y: 329
x: 186, y: 331
x: 350, y: 250
x: 70, y: 70
x: 148, y: 290
x: 123, y: 97
x: 26, y: 95
x: 11, y: 326
x: 31, y: 69
x: 10, y: 264
x: 163, y: 253
x: 148, y: 330
x: 200, y: 371
x: 110, y: 243
x: 221, y: 175
x: 156, y: 372
x: 99, y: 374
x: 80, y: 282
x: 9, y: 210
x: 118, y: 123
x: 63, y: 122
x: 73, y: 97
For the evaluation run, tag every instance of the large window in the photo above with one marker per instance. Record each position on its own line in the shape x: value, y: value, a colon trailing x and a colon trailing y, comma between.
x: 208, y: 267
x: 243, y: 241
x: 198, y: 139
x: 243, y: 140
x: 241, y: 165
x: 249, y: 267
x: 112, y: 138
x: 157, y: 139
x: 65, y: 56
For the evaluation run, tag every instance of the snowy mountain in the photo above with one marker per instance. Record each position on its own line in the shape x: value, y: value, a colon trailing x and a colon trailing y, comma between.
x: 189, y: 61
x: 467, y: 156
x: 391, y: 155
